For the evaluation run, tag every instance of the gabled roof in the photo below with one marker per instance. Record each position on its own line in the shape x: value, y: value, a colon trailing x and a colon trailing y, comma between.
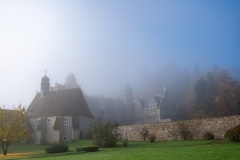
x: 61, y: 102
x: 57, y: 124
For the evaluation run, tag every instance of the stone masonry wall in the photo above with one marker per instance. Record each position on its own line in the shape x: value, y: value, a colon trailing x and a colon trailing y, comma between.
x: 168, y: 130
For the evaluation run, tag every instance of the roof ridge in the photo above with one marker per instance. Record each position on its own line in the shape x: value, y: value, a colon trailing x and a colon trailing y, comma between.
x: 61, y: 90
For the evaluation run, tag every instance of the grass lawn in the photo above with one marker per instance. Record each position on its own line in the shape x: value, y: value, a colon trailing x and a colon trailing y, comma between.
x: 165, y: 150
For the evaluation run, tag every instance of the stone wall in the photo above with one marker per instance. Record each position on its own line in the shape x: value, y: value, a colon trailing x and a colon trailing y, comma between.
x: 168, y: 130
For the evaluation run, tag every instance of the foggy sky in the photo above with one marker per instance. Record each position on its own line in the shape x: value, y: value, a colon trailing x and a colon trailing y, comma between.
x: 109, y: 43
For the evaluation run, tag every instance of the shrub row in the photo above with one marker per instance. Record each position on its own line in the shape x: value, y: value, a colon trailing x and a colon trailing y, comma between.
x: 232, y: 135
x: 90, y: 149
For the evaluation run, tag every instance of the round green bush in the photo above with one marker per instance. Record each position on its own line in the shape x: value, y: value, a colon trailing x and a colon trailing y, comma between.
x: 208, y: 136
x: 233, y: 134
x: 56, y: 148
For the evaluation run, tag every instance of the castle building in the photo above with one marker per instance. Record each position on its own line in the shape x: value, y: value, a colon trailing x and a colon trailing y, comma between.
x: 65, y: 113
x: 151, y: 109
x: 58, y: 115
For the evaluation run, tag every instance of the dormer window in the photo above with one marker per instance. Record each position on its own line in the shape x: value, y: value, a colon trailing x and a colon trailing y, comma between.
x: 66, y: 120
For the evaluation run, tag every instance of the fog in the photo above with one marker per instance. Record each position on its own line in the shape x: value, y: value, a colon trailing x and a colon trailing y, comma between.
x: 109, y: 44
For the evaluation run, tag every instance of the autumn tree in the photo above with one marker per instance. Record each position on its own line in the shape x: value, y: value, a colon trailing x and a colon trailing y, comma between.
x: 13, y: 127
x: 228, y: 95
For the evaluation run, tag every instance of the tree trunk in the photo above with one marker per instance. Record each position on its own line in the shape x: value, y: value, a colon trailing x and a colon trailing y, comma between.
x: 4, y: 148
x: 5, y: 152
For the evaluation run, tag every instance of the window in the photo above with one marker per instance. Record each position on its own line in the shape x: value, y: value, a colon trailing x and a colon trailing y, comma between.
x: 66, y: 120
x: 37, y: 121
x: 48, y: 121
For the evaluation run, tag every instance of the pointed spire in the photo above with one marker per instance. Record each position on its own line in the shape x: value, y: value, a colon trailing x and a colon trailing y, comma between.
x: 45, y: 71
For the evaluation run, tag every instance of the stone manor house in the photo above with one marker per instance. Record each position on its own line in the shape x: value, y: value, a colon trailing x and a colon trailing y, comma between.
x: 65, y: 113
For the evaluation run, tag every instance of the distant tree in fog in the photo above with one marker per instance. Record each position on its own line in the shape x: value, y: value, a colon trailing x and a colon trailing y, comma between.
x: 228, y: 95
x: 205, y: 91
x: 214, y: 94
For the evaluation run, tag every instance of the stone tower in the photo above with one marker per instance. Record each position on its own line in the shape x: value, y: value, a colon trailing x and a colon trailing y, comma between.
x: 128, y: 109
x: 45, y: 85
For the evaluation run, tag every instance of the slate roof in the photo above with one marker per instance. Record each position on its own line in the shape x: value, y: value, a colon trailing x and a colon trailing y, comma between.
x: 61, y: 102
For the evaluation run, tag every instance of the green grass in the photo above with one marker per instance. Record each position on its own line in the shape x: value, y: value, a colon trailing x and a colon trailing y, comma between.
x: 165, y: 150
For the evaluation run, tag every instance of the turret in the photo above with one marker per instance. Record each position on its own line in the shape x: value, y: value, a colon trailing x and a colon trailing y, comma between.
x: 45, y: 86
x: 128, y: 95
x: 128, y: 110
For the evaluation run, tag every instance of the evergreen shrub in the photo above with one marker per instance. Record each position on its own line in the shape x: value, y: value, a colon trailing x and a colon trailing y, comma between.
x: 144, y: 133
x: 125, y: 142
